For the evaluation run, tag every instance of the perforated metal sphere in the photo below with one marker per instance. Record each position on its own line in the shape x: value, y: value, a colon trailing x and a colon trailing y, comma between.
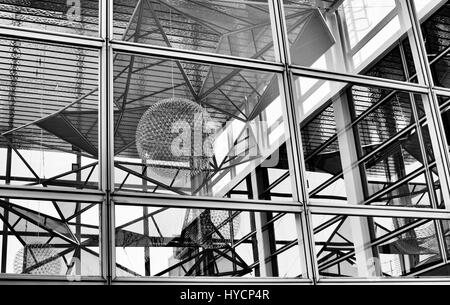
x: 158, y: 138
x: 218, y: 217
x: 211, y: 220
x: 33, y: 255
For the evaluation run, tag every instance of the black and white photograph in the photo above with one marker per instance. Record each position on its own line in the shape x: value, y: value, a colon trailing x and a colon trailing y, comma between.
x: 238, y: 144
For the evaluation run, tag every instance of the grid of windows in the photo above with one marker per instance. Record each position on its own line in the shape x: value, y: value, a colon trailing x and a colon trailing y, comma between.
x: 227, y: 140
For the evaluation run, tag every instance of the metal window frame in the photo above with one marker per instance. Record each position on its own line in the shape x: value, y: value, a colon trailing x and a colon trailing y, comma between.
x: 301, y: 206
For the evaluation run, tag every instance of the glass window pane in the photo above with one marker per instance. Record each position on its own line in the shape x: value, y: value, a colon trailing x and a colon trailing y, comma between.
x: 228, y: 27
x: 394, y: 163
x: 445, y: 110
x: 394, y: 115
x: 437, y: 188
x: 49, y: 115
x: 375, y: 247
x: 364, y: 140
x: 192, y: 129
x: 50, y: 238
x: 435, y: 31
x: 172, y: 242
x: 414, y: 193
x: 362, y: 38
x: 423, y: 7
x: 80, y: 17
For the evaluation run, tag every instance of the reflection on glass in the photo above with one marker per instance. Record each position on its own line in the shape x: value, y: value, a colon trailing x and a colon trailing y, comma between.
x: 413, y: 193
x: 435, y: 31
x: 236, y: 28
x: 375, y: 247
x: 171, y: 242
x: 350, y: 41
x: 388, y: 119
x: 395, y: 162
x: 48, y: 115
x: 437, y: 188
x: 368, y: 136
x: 79, y: 17
x: 322, y: 156
x: 192, y: 129
x: 427, y: 144
x: 446, y: 120
x: 443, y: 100
x: 425, y: 6
x: 49, y: 238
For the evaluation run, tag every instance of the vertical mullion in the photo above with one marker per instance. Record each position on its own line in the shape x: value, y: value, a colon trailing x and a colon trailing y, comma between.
x: 106, y: 144
x: 294, y: 145
x: 4, y: 254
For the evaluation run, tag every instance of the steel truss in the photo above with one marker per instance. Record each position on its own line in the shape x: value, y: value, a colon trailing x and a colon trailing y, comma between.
x: 106, y: 194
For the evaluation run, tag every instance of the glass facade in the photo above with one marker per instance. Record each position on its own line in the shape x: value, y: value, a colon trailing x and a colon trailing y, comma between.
x: 263, y: 141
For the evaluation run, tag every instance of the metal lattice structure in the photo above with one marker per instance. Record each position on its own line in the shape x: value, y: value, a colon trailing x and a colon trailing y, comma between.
x: 329, y: 159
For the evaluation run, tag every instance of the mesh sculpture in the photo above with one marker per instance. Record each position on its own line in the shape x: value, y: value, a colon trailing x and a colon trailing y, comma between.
x: 37, y: 259
x: 227, y: 228
x: 211, y: 229
x: 174, y: 137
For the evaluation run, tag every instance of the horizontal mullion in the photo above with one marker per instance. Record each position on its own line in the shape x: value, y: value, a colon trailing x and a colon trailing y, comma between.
x: 442, y: 91
x: 207, y: 280
x: 359, y: 80
x: 24, y: 279
x: 136, y: 199
x: 48, y: 193
x: 324, y: 208
x: 385, y: 281
x: 187, y: 55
